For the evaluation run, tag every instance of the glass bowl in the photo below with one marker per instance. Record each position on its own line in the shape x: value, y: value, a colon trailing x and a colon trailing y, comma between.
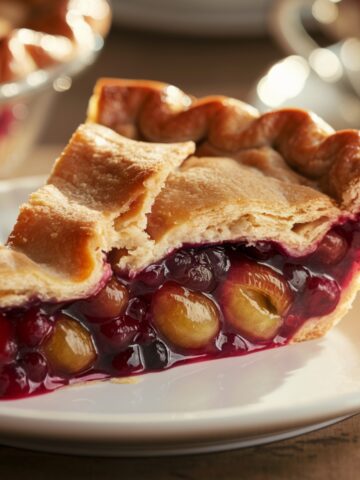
x: 25, y: 104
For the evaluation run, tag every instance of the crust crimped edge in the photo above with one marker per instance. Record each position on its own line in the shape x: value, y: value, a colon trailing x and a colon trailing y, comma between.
x: 155, y: 111
x: 146, y: 198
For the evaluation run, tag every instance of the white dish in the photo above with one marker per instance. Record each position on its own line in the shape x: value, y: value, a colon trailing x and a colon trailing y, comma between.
x: 202, y: 407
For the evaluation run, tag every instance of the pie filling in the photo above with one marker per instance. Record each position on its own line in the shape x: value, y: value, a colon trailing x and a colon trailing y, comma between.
x: 198, y: 303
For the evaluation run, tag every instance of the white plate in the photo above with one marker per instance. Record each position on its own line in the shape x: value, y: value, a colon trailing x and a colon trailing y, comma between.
x: 202, y: 407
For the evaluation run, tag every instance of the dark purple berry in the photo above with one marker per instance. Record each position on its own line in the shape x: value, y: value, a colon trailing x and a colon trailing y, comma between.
x: 152, y: 276
x: 8, y: 346
x: 35, y: 366
x: 118, y: 333
x: 215, y: 259
x: 155, y: 355
x: 178, y: 264
x: 33, y: 328
x: 136, y: 309
x: 192, y: 269
x: 200, y: 278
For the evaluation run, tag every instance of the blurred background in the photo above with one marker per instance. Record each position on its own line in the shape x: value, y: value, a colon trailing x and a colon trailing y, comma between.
x: 271, y: 53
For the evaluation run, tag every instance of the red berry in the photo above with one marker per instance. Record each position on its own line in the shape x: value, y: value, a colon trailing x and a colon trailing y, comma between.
x: 332, y: 249
x: 13, y: 381
x: 119, y: 332
x: 33, y: 328
x: 35, y: 366
x: 321, y: 296
x: 8, y: 346
x: 152, y: 276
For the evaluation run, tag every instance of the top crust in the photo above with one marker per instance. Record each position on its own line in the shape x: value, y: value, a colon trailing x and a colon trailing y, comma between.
x: 96, y: 198
x: 233, y: 201
x: 221, y: 126
x: 253, y: 178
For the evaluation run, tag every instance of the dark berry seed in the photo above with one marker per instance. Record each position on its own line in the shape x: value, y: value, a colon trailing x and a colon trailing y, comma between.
x: 178, y: 264
x: 13, y: 381
x: 136, y: 309
x: 155, y: 355
x: 128, y: 361
x: 33, y: 328
x: 35, y: 366
x: 8, y: 347
x: 119, y: 332
x: 296, y: 275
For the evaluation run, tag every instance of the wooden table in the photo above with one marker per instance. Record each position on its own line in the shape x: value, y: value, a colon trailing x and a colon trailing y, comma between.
x: 199, y: 66
x: 329, y: 454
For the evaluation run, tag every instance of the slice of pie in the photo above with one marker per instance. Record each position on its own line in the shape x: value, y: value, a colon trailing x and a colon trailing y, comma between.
x: 172, y: 230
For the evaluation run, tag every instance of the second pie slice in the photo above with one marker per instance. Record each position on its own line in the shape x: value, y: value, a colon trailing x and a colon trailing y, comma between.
x: 173, y: 229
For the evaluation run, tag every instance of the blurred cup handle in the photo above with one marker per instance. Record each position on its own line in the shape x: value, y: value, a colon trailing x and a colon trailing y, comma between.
x: 287, y: 26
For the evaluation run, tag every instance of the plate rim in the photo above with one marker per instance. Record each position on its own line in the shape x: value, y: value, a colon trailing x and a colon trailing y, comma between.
x: 172, y: 426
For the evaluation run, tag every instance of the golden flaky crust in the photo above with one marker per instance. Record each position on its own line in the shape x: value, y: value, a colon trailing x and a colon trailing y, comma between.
x: 221, y: 126
x: 283, y: 176
x: 96, y: 198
